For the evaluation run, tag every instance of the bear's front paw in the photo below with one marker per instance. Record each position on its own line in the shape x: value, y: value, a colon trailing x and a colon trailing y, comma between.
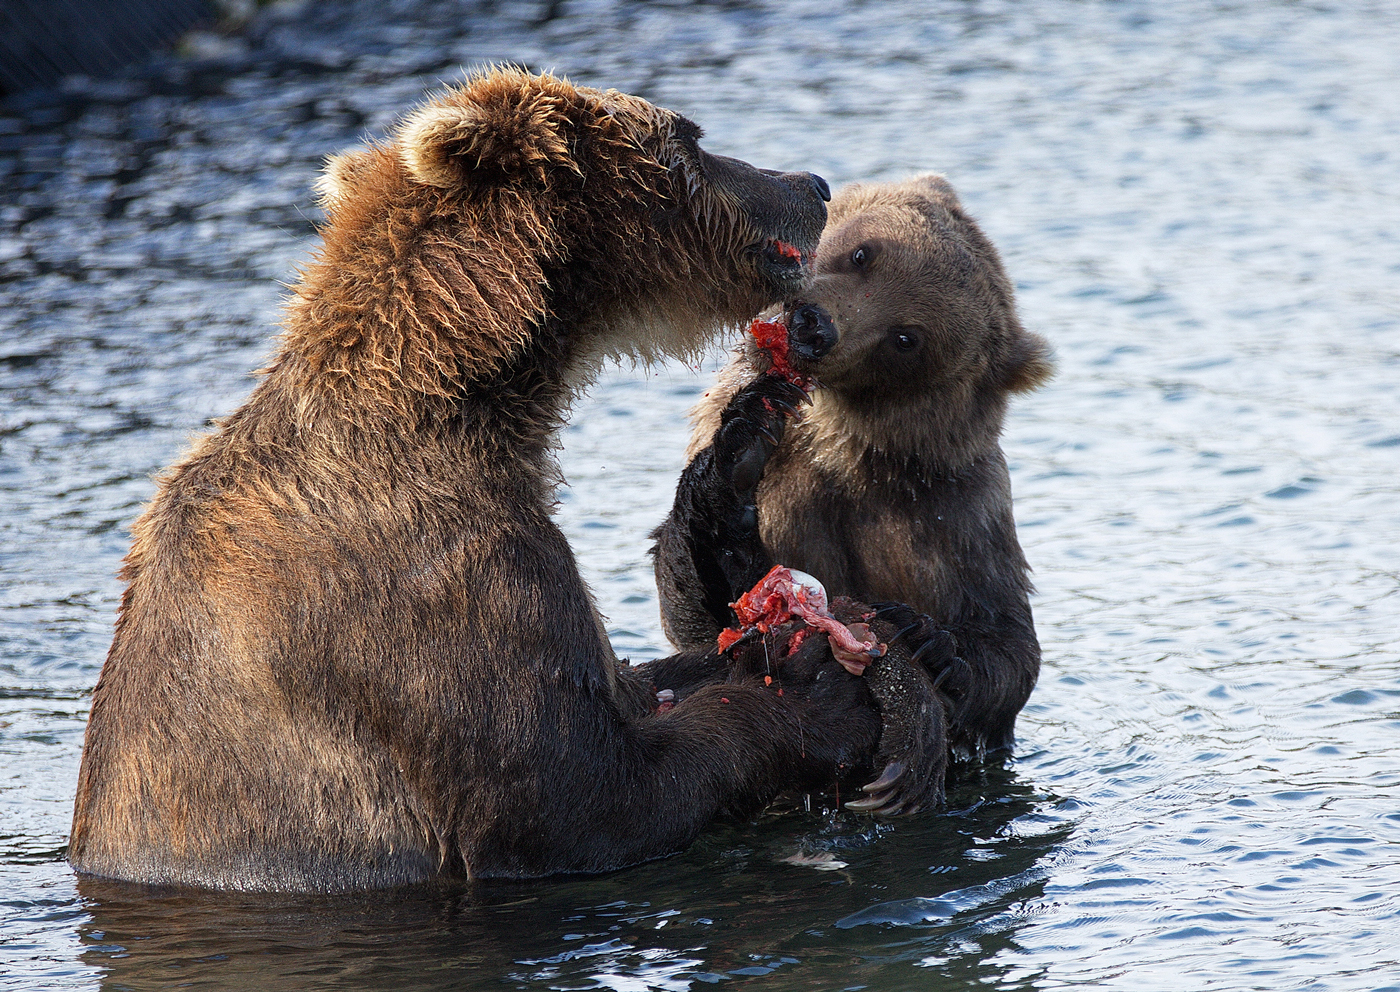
x: 751, y: 428
x: 839, y: 724
x: 913, y: 753
x: 928, y: 643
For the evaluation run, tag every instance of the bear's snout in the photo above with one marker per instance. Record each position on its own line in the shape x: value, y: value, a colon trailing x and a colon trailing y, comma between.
x: 812, y: 332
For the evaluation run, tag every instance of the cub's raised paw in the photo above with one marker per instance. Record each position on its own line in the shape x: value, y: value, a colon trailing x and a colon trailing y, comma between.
x: 751, y: 428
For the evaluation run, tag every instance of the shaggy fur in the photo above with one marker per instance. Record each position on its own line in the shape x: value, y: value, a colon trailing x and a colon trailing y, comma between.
x: 893, y: 486
x: 354, y: 649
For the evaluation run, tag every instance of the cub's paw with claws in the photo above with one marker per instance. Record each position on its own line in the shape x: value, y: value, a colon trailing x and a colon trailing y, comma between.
x: 928, y: 645
x: 709, y: 550
x: 750, y: 429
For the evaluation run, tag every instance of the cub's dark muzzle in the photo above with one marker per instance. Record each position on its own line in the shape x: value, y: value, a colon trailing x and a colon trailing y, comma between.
x: 811, y: 332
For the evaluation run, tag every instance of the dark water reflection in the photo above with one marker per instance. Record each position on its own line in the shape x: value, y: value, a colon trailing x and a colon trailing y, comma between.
x: 1198, y: 201
x: 734, y: 907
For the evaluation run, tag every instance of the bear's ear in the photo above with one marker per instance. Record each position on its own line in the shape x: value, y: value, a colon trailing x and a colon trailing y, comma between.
x: 339, y: 175
x: 504, y: 134
x: 1030, y: 365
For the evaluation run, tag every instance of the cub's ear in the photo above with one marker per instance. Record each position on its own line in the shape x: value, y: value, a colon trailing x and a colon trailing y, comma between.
x: 501, y: 134
x: 1030, y: 364
x: 937, y: 188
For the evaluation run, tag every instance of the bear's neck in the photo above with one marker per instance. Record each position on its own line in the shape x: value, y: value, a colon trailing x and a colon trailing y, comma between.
x: 500, y: 432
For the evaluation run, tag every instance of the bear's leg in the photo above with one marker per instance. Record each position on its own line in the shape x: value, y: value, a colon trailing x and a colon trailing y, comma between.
x: 685, y: 672
x: 630, y: 787
x: 708, y: 550
x: 660, y: 684
x: 1002, y: 659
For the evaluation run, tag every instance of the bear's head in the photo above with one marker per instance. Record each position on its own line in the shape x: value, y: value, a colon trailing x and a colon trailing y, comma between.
x: 519, y: 221
x: 928, y: 342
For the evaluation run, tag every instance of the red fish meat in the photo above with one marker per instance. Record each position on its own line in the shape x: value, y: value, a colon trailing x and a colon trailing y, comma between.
x: 785, y: 594
x: 772, y: 337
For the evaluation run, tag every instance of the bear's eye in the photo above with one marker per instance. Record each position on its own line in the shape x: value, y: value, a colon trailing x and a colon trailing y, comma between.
x: 905, y: 338
x: 860, y: 257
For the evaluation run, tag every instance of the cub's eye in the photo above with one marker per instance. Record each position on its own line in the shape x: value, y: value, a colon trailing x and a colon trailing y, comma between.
x: 860, y: 257
x: 905, y: 338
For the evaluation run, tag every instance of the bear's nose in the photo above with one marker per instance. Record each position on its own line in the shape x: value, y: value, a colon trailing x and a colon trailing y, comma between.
x: 811, y: 331
x: 823, y: 190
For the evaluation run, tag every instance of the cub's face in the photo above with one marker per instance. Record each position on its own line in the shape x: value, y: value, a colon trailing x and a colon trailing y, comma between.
x: 919, y: 300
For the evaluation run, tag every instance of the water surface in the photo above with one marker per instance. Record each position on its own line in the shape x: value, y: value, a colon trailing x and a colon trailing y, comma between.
x: 1199, y: 202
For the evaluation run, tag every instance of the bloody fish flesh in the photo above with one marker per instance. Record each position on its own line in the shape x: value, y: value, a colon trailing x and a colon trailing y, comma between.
x: 786, y: 594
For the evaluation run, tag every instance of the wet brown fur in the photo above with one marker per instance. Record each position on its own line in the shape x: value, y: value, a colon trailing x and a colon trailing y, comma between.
x: 354, y: 649
x: 893, y: 486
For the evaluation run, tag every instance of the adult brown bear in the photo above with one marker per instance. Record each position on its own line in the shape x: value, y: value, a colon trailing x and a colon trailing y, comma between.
x: 355, y: 650
x: 893, y: 486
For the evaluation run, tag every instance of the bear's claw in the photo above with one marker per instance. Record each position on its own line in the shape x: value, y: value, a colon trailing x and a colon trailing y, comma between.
x: 887, y: 778
x: 751, y: 428
x: 906, y: 629
x: 883, y: 799
x: 777, y: 401
x: 913, y: 743
x: 933, y: 647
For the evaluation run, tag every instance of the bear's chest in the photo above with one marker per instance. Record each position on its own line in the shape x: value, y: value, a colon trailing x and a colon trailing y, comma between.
x: 865, y: 540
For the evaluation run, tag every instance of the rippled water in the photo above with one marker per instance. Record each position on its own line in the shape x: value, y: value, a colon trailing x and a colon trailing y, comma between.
x: 1200, y: 204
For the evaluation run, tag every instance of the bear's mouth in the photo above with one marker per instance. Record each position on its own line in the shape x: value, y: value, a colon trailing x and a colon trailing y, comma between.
x: 782, y: 262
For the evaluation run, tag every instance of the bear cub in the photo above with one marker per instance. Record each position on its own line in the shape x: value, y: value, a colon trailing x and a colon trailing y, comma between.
x: 892, y: 486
